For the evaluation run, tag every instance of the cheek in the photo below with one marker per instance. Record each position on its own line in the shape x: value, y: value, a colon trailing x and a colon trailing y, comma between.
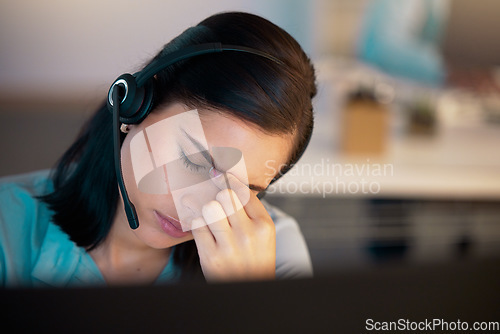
x: 146, y: 202
x: 127, y: 170
x: 138, y: 198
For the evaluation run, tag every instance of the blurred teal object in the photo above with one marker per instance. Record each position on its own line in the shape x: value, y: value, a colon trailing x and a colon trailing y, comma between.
x: 402, y: 38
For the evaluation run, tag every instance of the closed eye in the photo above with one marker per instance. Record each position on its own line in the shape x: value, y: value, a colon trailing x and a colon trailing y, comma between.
x: 191, y: 165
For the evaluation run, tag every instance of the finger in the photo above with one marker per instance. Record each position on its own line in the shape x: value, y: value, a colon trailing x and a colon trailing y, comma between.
x: 229, y: 181
x: 216, y: 219
x: 202, y: 235
x: 232, y: 206
x: 253, y: 206
x: 236, y: 215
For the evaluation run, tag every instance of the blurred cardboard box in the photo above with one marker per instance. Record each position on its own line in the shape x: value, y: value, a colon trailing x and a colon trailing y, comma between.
x: 365, y: 127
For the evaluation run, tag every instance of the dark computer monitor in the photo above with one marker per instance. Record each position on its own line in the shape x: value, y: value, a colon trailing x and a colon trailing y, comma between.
x: 341, y: 302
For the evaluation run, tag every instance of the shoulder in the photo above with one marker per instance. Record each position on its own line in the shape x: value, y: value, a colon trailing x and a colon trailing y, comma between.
x: 33, y: 182
x: 18, y: 195
x: 23, y: 223
x: 292, y: 254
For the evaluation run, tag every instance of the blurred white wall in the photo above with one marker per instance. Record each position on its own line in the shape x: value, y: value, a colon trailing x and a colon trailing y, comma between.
x: 52, y: 48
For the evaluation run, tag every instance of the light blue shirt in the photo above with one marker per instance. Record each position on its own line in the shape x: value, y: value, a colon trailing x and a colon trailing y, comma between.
x: 34, y: 252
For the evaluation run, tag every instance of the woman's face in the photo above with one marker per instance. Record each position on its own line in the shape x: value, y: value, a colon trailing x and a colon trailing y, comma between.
x: 166, y: 162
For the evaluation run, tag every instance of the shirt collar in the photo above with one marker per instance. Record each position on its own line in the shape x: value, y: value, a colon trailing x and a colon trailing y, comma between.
x: 62, y: 263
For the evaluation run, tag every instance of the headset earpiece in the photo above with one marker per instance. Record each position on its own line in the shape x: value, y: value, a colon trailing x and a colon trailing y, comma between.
x: 136, y: 102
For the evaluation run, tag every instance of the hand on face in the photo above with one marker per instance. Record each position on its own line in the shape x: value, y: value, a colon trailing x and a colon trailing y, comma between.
x: 238, y: 246
x: 178, y: 190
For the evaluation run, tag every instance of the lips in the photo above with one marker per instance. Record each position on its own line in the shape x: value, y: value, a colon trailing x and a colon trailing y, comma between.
x: 171, y: 219
x: 170, y: 225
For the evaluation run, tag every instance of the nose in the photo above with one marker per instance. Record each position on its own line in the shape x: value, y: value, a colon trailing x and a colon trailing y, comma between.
x: 191, y: 204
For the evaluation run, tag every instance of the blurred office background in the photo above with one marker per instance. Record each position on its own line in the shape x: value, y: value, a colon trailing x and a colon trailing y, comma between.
x: 413, y: 85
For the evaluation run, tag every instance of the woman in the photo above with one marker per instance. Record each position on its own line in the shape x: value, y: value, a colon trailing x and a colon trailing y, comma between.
x: 71, y: 229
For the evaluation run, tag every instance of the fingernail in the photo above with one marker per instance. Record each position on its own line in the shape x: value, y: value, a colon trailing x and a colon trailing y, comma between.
x: 213, y: 172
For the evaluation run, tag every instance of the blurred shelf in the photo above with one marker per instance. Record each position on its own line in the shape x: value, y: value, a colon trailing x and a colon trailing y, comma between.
x: 456, y: 164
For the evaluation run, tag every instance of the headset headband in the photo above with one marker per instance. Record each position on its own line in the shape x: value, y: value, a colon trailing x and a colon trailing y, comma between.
x: 190, y: 51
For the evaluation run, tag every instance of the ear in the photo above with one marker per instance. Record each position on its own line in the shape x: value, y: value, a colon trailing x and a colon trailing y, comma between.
x: 125, y: 128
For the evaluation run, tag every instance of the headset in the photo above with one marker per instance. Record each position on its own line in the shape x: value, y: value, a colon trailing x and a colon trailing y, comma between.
x: 131, y: 98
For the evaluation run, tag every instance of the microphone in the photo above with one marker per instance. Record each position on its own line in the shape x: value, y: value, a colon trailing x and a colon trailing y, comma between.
x: 130, y: 212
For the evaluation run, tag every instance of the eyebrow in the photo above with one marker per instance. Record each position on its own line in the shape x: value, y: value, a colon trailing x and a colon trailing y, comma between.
x: 206, y: 154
